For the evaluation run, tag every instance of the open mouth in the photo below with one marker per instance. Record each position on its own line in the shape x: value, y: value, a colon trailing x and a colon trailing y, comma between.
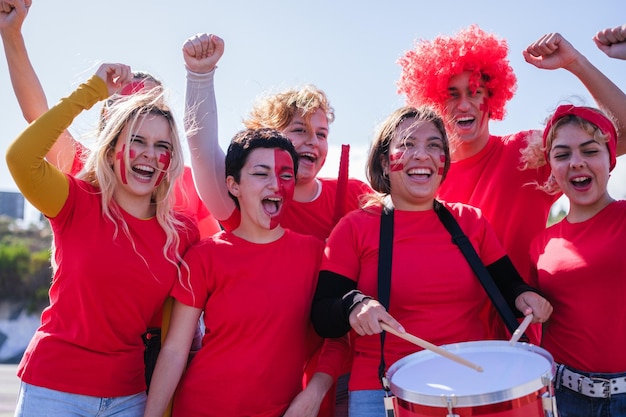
x: 308, y: 156
x: 420, y: 173
x: 465, y: 122
x: 272, y: 205
x: 143, y: 171
x: 580, y: 182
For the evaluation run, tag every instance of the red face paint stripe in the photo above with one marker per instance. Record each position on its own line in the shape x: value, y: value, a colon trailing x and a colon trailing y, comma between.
x: 165, y: 159
x: 120, y: 157
x: 442, y: 158
x: 394, y: 159
x: 395, y: 156
x: 484, y: 107
x: 286, y: 188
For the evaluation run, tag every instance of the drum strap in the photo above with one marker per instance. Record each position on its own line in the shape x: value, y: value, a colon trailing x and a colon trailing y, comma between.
x: 486, y: 280
x: 385, y: 249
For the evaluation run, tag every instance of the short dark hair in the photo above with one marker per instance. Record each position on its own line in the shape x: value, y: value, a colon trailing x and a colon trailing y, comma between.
x: 245, y: 141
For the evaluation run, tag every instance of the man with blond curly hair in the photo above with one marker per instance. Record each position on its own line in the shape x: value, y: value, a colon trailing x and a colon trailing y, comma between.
x: 467, y: 77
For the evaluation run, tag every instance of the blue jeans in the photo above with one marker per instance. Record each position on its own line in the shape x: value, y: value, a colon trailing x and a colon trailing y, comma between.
x: 366, y: 403
x: 573, y: 404
x: 34, y: 401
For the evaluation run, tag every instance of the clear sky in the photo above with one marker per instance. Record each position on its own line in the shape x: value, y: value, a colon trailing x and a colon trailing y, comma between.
x: 348, y: 48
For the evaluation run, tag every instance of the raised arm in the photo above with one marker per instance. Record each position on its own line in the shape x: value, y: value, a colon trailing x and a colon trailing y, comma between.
x: 553, y: 51
x: 201, y: 54
x: 612, y: 41
x: 42, y: 184
x: 26, y: 86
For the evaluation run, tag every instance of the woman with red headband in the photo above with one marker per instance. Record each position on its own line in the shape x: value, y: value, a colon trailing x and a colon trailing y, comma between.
x: 578, y: 265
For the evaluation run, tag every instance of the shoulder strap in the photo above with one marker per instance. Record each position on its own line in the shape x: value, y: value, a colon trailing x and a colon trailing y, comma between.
x: 486, y: 280
x: 385, y: 249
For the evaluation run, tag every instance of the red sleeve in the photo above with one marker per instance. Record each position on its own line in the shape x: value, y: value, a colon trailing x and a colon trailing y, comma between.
x: 335, y: 353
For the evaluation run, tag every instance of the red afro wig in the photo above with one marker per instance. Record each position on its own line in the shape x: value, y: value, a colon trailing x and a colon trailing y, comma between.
x: 427, y: 69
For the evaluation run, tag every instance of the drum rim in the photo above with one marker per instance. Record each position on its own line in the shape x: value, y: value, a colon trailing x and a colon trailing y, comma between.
x: 474, y: 399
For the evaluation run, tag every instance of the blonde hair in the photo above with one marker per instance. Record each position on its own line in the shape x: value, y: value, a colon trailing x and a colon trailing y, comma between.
x: 277, y: 110
x: 551, y: 186
x: 124, y: 112
x: 532, y: 155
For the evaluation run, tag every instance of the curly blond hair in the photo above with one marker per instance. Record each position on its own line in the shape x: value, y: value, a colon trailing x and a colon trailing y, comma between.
x: 277, y: 110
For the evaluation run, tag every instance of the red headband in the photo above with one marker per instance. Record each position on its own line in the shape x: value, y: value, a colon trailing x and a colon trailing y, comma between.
x: 594, y: 117
x: 132, y: 88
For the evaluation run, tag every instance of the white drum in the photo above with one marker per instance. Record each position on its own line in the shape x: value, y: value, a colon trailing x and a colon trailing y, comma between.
x: 516, y: 382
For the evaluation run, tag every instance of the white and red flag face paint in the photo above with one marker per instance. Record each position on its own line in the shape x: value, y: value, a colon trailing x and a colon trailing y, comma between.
x: 467, y: 111
x: 149, y: 153
x: 284, y: 172
x: 164, y: 158
x: 265, y: 188
x: 395, y: 161
x: 416, y: 161
x: 442, y: 158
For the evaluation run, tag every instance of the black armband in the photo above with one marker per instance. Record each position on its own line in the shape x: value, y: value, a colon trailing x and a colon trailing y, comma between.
x: 509, y: 282
x: 351, y: 299
x: 329, y: 314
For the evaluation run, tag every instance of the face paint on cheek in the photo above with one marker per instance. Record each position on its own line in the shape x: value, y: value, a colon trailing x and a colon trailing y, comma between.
x: 286, y: 187
x: 484, y: 107
x: 442, y: 158
x: 394, y: 161
x: 165, y: 159
x: 120, y: 157
x: 283, y: 159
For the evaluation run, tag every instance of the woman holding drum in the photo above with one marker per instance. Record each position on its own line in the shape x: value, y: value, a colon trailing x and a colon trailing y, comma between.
x: 434, y: 292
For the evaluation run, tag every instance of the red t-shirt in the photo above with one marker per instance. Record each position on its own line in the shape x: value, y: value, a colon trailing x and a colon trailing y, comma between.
x: 581, y: 270
x: 103, y: 296
x: 508, y: 196
x: 256, y: 300
x: 435, y: 294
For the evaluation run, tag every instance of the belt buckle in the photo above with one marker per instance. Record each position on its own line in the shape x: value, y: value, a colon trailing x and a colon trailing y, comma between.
x: 606, y: 386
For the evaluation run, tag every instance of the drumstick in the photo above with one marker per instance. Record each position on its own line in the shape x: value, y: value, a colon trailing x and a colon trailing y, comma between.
x: 521, y: 329
x: 433, y: 348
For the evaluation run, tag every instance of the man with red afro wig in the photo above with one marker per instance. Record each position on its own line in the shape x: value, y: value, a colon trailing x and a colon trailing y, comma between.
x: 468, y: 79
